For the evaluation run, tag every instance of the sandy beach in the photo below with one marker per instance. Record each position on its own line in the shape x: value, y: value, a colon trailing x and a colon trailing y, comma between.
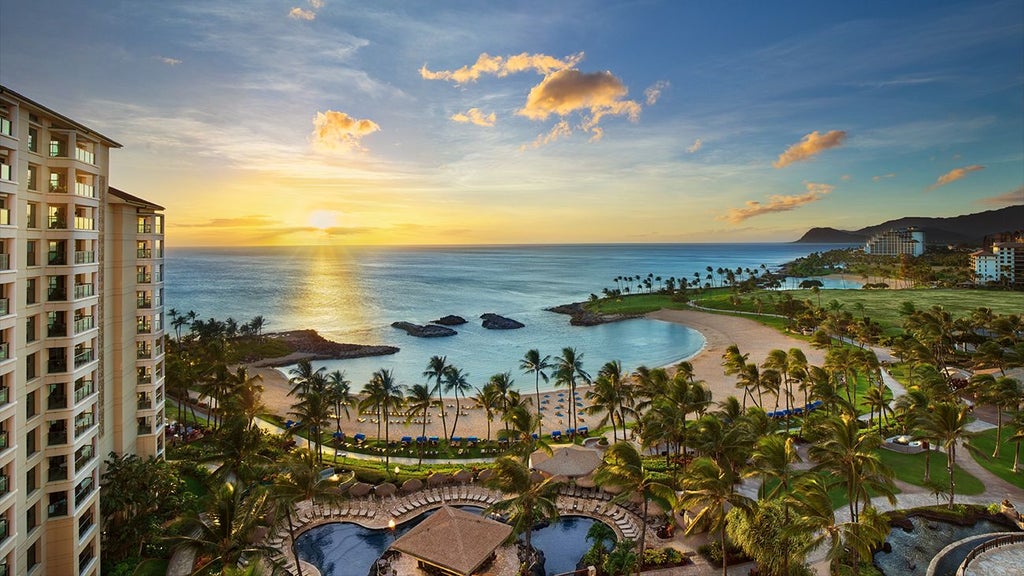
x: 719, y: 330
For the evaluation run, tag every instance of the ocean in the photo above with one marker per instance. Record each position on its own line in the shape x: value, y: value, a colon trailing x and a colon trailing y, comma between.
x: 353, y: 294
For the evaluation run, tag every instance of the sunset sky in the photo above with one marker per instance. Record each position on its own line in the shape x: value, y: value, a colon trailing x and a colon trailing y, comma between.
x: 323, y: 121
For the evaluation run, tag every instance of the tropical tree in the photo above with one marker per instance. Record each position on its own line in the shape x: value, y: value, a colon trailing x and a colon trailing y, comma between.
x: 299, y: 480
x: 876, y: 401
x: 764, y: 534
x: 568, y: 371
x: 624, y: 468
x: 1001, y: 392
x: 457, y: 381
x: 304, y: 377
x: 526, y: 502
x: 246, y: 398
x: 851, y: 460
x: 534, y: 363
x: 772, y: 459
x: 228, y: 531
x: 489, y: 400
x: 312, y: 413
x: 1018, y: 436
x: 419, y: 400
x: 502, y: 384
x: 390, y: 398
x: 708, y: 489
x: 611, y: 397
x: 340, y: 392
x: 436, y: 367
x: 946, y: 424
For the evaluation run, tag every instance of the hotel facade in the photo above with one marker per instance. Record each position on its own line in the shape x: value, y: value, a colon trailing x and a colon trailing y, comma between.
x: 896, y: 243
x: 1002, y: 262
x: 81, y: 335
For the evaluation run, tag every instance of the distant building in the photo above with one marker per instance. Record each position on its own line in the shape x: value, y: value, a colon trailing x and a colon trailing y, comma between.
x: 1003, y: 262
x: 896, y: 243
x: 81, y: 336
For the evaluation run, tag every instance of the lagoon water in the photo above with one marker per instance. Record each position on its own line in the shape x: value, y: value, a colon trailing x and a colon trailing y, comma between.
x: 353, y: 294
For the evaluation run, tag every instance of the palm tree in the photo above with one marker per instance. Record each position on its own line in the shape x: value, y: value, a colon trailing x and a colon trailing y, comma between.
x: 569, y: 367
x: 527, y: 502
x: 304, y: 377
x: 502, y: 383
x: 624, y: 467
x: 419, y: 399
x: 373, y: 399
x: 520, y: 423
x: 457, y: 381
x: 339, y: 390
x: 1018, y: 436
x: 489, y: 399
x: 436, y: 367
x: 391, y: 397
x: 772, y: 458
x: 298, y: 480
x: 814, y: 514
x: 313, y: 413
x: 228, y: 531
x: 708, y: 489
x: 946, y: 424
x: 610, y: 396
x: 851, y: 460
x: 875, y: 399
x: 246, y: 399
x: 1001, y: 392
x: 532, y: 362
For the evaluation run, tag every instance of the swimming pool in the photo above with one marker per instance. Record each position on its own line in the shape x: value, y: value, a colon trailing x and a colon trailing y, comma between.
x: 346, y: 549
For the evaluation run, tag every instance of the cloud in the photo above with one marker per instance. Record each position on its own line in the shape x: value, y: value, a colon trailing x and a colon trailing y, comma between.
x: 334, y: 130
x: 696, y: 146
x: 300, y: 14
x: 777, y: 203
x: 503, y: 66
x: 653, y: 92
x: 809, y: 146
x: 475, y: 116
x: 316, y: 4
x: 169, y: 61
x: 1011, y: 198
x: 884, y: 176
x: 254, y: 220
x: 954, y: 175
x: 846, y: 177
x: 560, y: 130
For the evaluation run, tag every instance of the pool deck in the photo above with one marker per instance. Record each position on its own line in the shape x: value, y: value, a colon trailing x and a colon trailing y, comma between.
x: 1003, y: 561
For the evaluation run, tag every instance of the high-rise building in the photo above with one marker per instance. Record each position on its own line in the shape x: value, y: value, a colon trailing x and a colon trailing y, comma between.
x: 896, y: 243
x: 1002, y: 262
x: 81, y: 335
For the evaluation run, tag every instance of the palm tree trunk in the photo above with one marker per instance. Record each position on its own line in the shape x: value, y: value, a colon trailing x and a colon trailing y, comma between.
x: 291, y: 533
x: 456, y: 422
x: 725, y: 557
x: 440, y: 399
x: 643, y: 540
x: 540, y: 419
x: 387, y: 442
x: 1016, y: 458
x: 999, y: 430
x: 423, y: 433
x: 950, y: 462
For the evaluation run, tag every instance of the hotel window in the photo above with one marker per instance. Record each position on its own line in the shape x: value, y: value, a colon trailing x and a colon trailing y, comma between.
x: 31, y: 448
x: 31, y: 209
x: 31, y: 479
x: 33, y: 182
x: 31, y: 291
x: 30, y: 253
x: 30, y: 330
x: 30, y: 405
x: 33, y: 139
x: 31, y: 366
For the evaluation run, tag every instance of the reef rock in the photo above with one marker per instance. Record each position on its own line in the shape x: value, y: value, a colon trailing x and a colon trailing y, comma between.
x: 428, y: 331
x: 450, y: 320
x: 495, y: 322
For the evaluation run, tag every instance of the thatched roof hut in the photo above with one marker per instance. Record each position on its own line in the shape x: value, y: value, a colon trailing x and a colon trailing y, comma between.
x: 454, y: 541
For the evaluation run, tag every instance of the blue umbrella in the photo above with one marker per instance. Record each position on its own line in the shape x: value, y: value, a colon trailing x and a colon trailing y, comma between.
x: 360, y: 437
x: 406, y: 439
x: 421, y: 439
x: 556, y: 433
x: 472, y: 439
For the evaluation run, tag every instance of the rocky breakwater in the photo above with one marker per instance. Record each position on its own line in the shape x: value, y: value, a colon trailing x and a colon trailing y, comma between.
x: 495, y: 322
x: 428, y: 331
x: 310, y: 345
x: 580, y: 316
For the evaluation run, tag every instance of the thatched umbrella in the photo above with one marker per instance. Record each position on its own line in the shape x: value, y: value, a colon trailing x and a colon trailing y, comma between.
x: 612, y: 488
x: 385, y: 489
x: 463, y: 476
x: 359, y: 489
x: 569, y: 461
x: 411, y: 485
x: 586, y: 481
x: 536, y: 476
x: 437, y: 479
x: 485, y: 474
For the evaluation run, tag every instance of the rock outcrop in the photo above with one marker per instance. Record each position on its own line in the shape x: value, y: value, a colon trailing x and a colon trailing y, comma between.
x: 495, y: 322
x: 428, y: 331
x: 450, y: 320
x: 580, y: 316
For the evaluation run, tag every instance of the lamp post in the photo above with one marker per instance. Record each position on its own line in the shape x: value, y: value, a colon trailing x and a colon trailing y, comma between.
x: 391, y: 527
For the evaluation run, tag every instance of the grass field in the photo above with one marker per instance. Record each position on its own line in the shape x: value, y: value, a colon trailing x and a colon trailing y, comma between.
x: 985, y: 442
x: 909, y: 468
x: 881, y: 306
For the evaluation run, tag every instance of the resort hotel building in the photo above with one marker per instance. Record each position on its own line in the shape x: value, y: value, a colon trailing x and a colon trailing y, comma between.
x: 81, y: 335
x: 896, y: 243
x: 1002, y: 262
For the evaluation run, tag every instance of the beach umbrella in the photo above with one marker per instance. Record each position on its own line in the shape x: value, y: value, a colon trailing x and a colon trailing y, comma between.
x: 359, y: 489
x: 406, y: 439
x: 385, y: 489
x: 437, y: 479
x: 463, y: 476
x: 570, y: 462
x: 412, y: 485
x: 485, y: 474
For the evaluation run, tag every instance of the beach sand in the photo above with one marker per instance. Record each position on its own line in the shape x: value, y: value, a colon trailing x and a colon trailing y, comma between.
x: 719, y: 330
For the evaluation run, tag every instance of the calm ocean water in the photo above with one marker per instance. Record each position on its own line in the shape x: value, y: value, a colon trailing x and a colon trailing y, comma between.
x: 353, y: 294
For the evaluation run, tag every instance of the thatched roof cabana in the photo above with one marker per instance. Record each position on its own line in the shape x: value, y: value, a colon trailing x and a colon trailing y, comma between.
x: 453, y: 540
x: 567, y: 461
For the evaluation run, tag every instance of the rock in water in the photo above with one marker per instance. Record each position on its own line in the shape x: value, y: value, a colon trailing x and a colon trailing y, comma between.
x: 495, y: 322
x: 428, y: 331
x: 450, y: 320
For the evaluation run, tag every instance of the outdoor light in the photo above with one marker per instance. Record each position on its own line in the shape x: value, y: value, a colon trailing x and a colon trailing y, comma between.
x: 391, y: 527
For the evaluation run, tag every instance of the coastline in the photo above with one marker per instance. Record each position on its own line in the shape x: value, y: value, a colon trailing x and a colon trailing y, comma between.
x: 310, y: 345
x: 719, y: 332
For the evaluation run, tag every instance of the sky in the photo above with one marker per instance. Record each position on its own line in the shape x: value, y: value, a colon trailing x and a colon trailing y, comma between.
x: 299, y: 122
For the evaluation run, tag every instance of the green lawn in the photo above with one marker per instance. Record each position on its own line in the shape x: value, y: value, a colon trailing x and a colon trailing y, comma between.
x: 1002, y: 466
x: 909, y: 468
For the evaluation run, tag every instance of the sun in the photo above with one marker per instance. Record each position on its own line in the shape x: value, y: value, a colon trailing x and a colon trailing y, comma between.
x: 322, y: 219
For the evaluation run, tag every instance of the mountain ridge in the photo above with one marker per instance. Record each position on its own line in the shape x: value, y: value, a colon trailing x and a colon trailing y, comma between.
x: 968, y: 229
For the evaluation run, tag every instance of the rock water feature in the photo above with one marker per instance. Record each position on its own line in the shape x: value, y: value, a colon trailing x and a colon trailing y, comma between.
x: 912, y: 550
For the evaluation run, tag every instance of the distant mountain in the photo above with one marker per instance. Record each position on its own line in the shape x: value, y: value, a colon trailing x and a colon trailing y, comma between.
x: 968, y: 229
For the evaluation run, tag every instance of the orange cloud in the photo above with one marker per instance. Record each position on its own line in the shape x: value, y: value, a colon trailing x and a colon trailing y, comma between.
x: 300, y: 14
x: 777, y: 203
x: 568, y: 91
x: 809, y: 146
x: 1011, y: 198
x: 653, y: 92
x: 475, y: 116
x: 954, y: 175
x: 560, y: 130
x: 503, y: 66
x: 884, y: 176
x: 697, y: 145
x: 334, y: 130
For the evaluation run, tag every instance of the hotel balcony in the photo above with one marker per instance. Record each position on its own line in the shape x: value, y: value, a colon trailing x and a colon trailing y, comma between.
x: 57, y: 473
x: 5, y: 172
x: 145, y: 429
x: 56, y: 437
x: 5, y: 395
x: 143, y: 303
x: 57, y: 401
x: 144, y: 379
x: 83, y: 357
x: 83, y: 388
x: 56, y: 258
x: 4, y: 440
x: 56, y: 223
x: 85, y: 190
x: 58, y: 508
x: 85, y: 256
x: 57, y: 330
x: 84, y: 290
x: 84, y: 323
x: 5, y: 306
x: 83, y: 456
x: 83, y: 223
x: 144, y: 253
x: 145, y: 404
x: 5, y: 262
x: 144, y: 278
x: 83, y: 490
x: 5, y: 484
